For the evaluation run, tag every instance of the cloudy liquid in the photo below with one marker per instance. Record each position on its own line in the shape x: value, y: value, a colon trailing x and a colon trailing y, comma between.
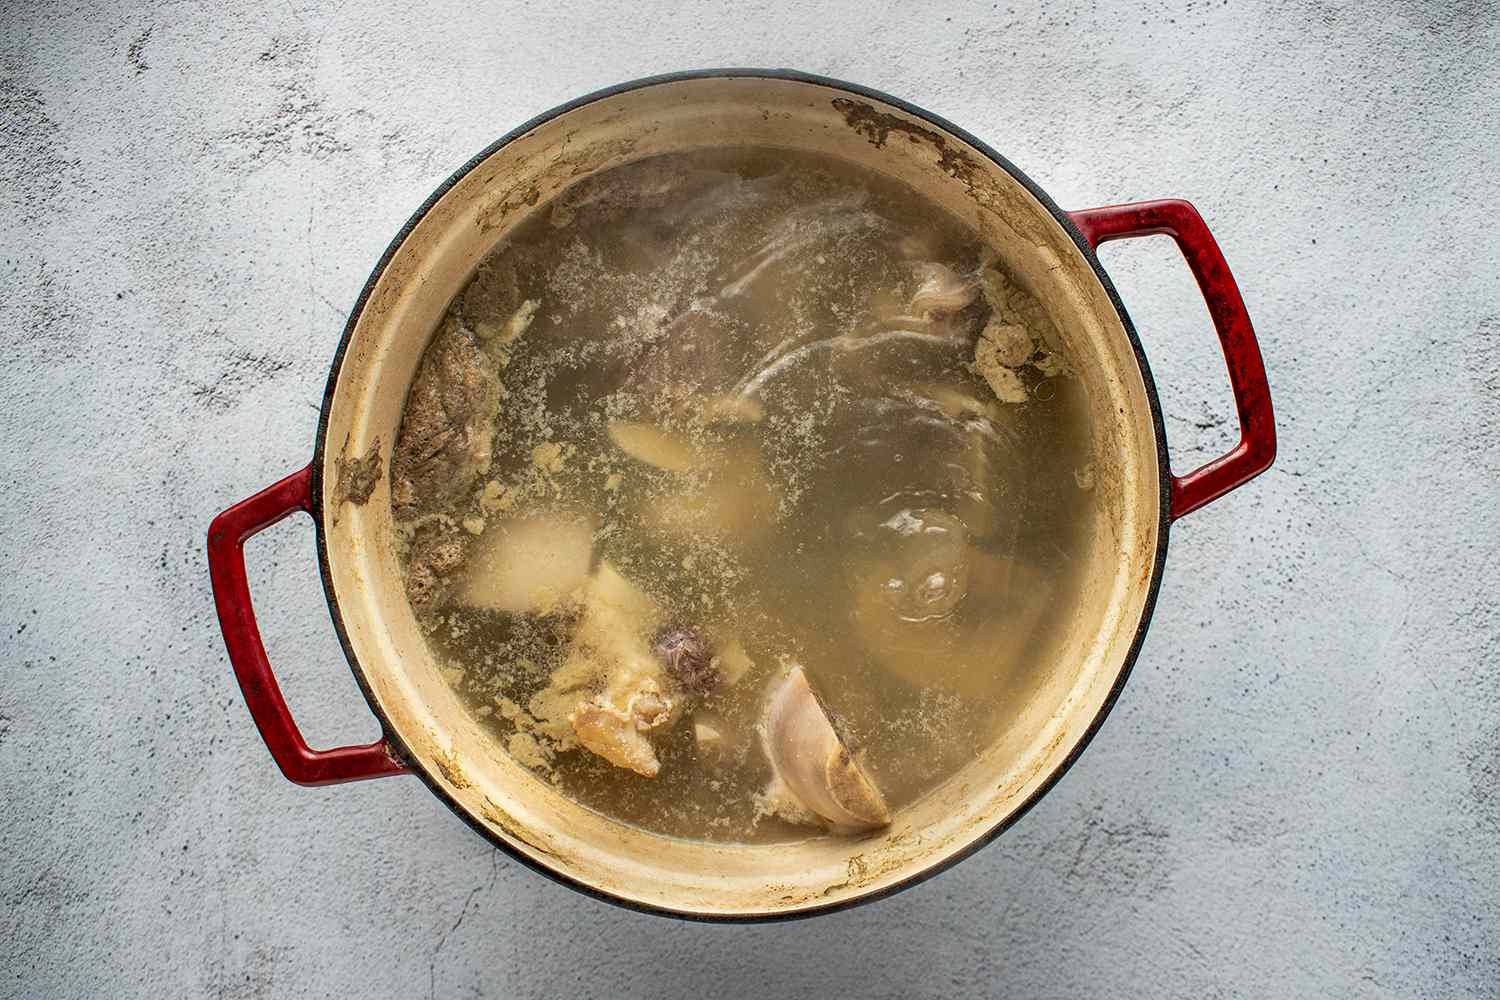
x: 843, y: 488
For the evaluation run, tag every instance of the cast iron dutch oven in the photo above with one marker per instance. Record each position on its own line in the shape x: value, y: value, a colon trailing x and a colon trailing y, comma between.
x: 426, y: 730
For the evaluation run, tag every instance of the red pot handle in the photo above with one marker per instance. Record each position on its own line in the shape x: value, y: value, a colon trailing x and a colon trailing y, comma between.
x: 1247, y: 375
x: 247, y: 654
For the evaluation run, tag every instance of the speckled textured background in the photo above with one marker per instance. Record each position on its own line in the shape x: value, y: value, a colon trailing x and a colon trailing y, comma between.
x: 1299, y: 793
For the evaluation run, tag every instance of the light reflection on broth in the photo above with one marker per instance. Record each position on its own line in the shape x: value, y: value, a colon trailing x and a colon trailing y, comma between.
x: 710, y: 416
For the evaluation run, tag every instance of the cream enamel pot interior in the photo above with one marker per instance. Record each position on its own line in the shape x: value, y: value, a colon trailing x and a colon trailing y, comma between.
x: 426, y: 730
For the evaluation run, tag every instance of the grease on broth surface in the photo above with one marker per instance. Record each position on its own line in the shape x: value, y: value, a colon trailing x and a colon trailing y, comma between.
x: 708, y: 418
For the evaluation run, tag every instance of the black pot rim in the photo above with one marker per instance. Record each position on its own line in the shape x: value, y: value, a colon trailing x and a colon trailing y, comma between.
x: 1153, y: 587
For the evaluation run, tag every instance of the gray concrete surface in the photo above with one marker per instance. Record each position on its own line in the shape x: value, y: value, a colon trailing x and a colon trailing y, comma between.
x: 1299, y: 794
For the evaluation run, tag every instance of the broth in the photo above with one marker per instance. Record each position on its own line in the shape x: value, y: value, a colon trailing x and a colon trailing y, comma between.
x: 706, y: 417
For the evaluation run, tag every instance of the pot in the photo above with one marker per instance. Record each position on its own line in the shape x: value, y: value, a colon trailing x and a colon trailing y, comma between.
x: 345, y: 488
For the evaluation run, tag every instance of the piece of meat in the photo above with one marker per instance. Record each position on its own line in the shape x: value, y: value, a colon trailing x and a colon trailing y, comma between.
x: 646, y: 184
x: 436, y: 550
x: 612, y: 690
x: 447, y: 431
x: 613, y: 725
x: 940, y: 289
x: 495, y: 291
